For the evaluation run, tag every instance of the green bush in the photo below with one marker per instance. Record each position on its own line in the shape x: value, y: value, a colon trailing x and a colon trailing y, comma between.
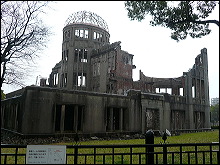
x: 215, y: 127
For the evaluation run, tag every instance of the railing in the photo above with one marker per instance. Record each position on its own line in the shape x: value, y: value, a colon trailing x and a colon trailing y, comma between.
x: 188, y: 153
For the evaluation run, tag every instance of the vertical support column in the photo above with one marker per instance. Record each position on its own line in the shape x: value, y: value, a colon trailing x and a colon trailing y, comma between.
x: 143, y: 119
x: 15, y: 119
x: 165, y: 114
x: 75, y: 122
x: 82, y: 72
x: 54, y: 118
x: 178, y: 90
x: 195, y: 87
x: 200, y: 88
x: 111, y: 120
x: 206, y: 87
x: 121, y: 120
x: 77, y: 69
x: 2, y: 116
x: 62, y: 118
x: 188, y: 92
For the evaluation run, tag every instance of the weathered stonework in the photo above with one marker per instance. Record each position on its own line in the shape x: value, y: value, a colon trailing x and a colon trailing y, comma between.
x: 91, y: 91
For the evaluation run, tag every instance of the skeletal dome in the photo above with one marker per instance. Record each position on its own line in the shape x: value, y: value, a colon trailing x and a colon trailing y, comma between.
x: 87, y: 17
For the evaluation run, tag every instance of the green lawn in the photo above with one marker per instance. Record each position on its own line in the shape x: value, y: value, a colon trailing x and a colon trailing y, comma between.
x: 200, y: 137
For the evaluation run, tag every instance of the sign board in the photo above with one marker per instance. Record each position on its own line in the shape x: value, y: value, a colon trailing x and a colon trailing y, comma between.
x: 46, y: 154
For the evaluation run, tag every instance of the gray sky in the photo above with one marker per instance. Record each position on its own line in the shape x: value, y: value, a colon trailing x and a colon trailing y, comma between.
x: 155, y: 53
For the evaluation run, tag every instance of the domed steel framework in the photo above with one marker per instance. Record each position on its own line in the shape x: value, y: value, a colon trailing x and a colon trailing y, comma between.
x: 87, y: 17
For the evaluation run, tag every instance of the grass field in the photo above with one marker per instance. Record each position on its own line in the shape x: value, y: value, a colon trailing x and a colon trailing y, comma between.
x: 200, y: 137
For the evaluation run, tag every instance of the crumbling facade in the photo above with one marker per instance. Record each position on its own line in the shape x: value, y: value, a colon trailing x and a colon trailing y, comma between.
x: 91, y: 90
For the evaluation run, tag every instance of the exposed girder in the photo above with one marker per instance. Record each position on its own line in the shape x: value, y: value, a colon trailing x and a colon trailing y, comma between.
x: 88, y: 18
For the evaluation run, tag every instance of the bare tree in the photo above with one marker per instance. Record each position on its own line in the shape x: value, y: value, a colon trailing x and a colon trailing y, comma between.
x: 23, y: 36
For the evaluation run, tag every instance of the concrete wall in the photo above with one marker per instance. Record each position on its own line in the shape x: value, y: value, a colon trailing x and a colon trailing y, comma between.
x: 43, y: 110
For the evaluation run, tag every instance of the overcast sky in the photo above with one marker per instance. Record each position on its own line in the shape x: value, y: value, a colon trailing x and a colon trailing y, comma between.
x: 155, y: 53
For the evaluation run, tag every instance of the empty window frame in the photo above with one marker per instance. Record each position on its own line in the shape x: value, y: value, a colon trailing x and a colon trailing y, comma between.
x: 79, y: 122
x: 76, y: 55
x: 181, y: 92
x: 94, y: 35
x: 81, y: 55
x: 69, y: 118
x: 127, y: 60
x: 86, y: 34
x: 97, y: 36
x: 116, y: 119
x: 67, y: 34
x: 94, y: 69
x: 160, y: 90
x: 65, y: 80
x: 199, y: 119
x: 55, y: 79
x: 83, y: 58
x: 169, y: 90
x: 107, y: 38
x: 82, y: 33
x: 193, y: 91
x: 72, y: 120
x: 177, y: 119
x: 65, y: 54
x: 77, y: 33
x: 98, y: 68
x: 81, y: 80
x: 58, y: 117
x: 152, y: 119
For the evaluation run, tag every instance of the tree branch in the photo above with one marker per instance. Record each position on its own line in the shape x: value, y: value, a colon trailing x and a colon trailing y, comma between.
x: 194, y: 21
x: 207, y: 21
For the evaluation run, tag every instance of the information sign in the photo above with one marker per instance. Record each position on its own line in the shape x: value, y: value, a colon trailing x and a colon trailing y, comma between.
x: 46, y: 154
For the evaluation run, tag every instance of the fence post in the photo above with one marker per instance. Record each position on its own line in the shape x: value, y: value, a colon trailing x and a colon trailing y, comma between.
x: 149, y: 139
x: 16, y: 155
x: 217, y: 157
x: 164, y: 154
x: 76, y: 154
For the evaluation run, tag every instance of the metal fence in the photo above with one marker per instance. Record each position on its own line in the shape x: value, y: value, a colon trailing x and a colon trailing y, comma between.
x: 188, y: 153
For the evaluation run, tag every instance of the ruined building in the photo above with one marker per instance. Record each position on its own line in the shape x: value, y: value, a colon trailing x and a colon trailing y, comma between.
x: 91, y: 91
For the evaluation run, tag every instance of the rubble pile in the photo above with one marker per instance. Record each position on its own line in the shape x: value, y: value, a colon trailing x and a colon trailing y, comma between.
x: 10, y: 138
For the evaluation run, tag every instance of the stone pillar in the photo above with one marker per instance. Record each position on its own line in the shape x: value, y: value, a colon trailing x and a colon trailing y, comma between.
x: 2, y: 116
x: 69, y: 63
x: 62, y: 118
x: 206, y: 87
x: 188, y: 93
x: 15, y: 119
x: 111, y: 119
x: 121, y: 120
x: 143, y: 126
x: 75, y: 117
x: 165, y: 114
